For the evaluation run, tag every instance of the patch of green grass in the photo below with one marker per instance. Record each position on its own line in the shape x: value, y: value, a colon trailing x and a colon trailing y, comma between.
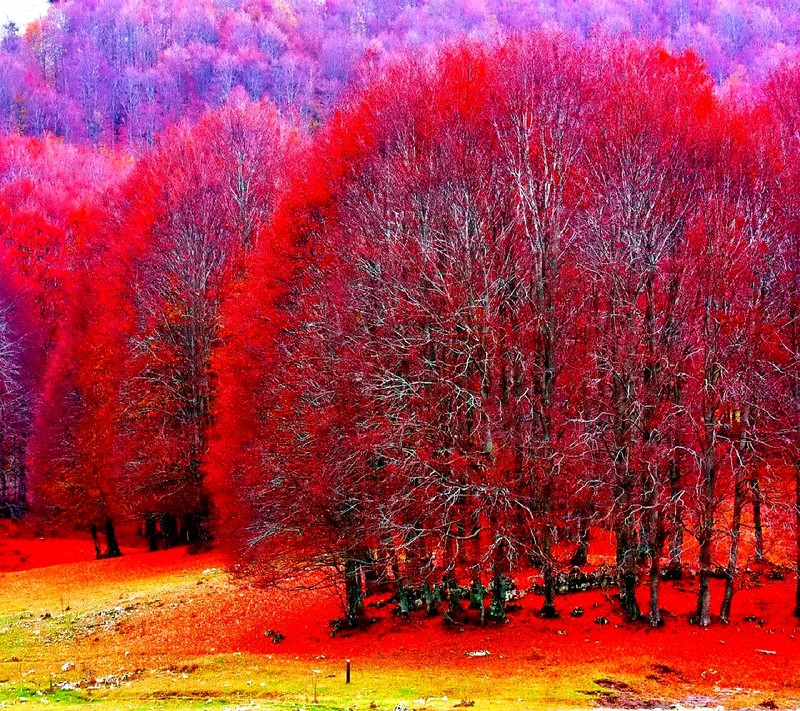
x: 13, y: 693
x: 14, y: 639
x: 237, y: 680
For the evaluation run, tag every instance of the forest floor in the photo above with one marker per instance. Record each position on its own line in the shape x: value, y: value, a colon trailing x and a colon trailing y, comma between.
x: 174, y: 630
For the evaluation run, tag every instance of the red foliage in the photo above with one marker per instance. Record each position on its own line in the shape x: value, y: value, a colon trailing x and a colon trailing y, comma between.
x: 193, y: 207
x: 504, y: 279
x: 509, y: 293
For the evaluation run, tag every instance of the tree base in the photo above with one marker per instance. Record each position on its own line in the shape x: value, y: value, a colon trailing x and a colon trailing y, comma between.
x: 548, y: 612
x: 673, y: 572
x: 696, y: 620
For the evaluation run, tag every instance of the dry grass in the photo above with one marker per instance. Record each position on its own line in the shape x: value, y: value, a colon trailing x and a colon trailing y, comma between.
x: 170, y: 630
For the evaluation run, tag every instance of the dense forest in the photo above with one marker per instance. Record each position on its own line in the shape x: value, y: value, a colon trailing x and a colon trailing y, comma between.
x: 120, y: 71
x: 304, y: 281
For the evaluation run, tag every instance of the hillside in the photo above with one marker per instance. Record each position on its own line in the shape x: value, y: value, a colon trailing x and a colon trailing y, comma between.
x: 174, y: 630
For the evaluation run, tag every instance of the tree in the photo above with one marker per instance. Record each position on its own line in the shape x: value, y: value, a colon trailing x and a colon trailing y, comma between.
x: 406, y: 315
x: 119, y: 72
x: 51, y: 241
x: 541, y: 121
x: 72, y: 456
x: 196, y: 204
x: 641, y: 184
x: 781, y: 100
x: 17, y: 394
x: 726, y: 287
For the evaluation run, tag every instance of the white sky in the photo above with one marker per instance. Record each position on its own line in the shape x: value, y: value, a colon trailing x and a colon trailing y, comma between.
x: 22, y: 11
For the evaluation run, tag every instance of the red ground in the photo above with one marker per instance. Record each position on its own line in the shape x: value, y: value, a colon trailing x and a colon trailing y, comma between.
x: 23, y: 548
x: 215, y: 615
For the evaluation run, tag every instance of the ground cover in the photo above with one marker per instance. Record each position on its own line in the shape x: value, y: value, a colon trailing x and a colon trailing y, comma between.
x: 175, y: 630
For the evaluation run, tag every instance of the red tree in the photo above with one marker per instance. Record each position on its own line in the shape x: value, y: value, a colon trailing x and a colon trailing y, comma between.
x: 641, y: 186
x: 194, y: 206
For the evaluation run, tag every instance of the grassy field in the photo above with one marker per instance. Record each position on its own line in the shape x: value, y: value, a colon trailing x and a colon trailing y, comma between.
x: 172, y: 630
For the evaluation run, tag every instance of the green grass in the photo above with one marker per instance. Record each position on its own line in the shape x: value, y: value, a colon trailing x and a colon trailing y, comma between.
x: 62, y: 646
x: 238, y: 681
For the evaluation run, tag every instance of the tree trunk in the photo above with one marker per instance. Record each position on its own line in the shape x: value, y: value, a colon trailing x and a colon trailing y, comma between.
x: 656, y: 545
x: 675, y: 565
x: 371, y: 572
x: 758, y: 528
x: 706, y: 530
x: 429, y: 596
x: 626, y: 562
x: 455, y: 611
x: 194, y: 530
x: 393, y: 562
x: 6, y: 498
x: 112, y: 545
x: 628, y: 595
x: 354, y: 594
x: 22, y: 493
x: 548, y: 611
x: 797, y: 534
x: 733, y: 556
x: 96, y: 538
x: 476, y: 595
x: 703, y: 614
x: 169, y: 530
x: 643, y: 549
x: 654, y: 616
x: 403, y: 598
x: 450, y: 550
x: 581, y: 556
x: 151, y: 532
x: 497, y: 606
x: 194, y: 526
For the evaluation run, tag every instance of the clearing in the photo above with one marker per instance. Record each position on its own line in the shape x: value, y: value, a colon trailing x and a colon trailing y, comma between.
x: 174, y: 630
